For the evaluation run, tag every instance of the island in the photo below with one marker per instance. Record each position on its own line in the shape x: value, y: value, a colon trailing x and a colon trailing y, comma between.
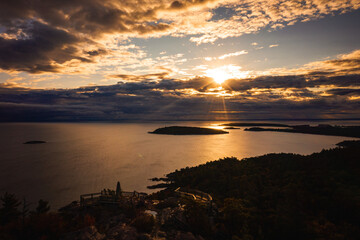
x: 34, y: 142
x: 182, y: 130
x: 321, y: 129
x: 231, y: 128
x: 245, y: 124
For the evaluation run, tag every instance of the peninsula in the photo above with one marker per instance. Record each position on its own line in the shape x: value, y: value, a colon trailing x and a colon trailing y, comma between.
x: 181, y: 130
x: 321, y: 129
x: 287, y: 196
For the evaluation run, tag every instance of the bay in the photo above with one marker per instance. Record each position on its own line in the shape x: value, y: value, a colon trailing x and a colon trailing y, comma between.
x: 81, y: 158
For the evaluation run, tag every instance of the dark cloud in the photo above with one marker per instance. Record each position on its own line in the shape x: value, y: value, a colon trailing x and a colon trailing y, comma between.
x: 145, y: 82
x: 352, y: 62
x: 292, y: 81
x: 72, y: 24
x: 96, y: 52
x: 42, y: 50
x: 40, y: 36
x: 85, y: 16
x: 177, y: 5
x: 131, y: 77
x: 344, y: 91
x: 172, y: 99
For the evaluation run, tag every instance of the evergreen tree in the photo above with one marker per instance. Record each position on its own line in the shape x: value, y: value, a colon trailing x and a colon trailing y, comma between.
x: 118, y: 190
x: 9, y: 211
x: 43, y: 207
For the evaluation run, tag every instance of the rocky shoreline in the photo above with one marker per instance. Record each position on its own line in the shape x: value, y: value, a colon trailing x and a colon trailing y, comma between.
x: 160, y: 216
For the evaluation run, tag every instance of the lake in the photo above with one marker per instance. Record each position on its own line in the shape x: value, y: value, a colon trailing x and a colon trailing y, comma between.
x: 81, y: 158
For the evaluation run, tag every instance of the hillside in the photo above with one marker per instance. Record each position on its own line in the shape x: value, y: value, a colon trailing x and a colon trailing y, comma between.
x: 282, y: 196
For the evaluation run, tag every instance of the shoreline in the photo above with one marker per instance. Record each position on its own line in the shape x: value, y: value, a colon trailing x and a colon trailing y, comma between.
x: 197, y: 198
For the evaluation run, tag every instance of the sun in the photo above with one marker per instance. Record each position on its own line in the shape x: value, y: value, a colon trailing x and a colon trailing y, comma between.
x: 223, y: 73
x: 219, y: 75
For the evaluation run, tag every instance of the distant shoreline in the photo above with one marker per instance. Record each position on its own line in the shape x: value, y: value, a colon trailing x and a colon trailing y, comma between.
x: 341, y: 131
x: 258, y: 124
x: 35, y: 142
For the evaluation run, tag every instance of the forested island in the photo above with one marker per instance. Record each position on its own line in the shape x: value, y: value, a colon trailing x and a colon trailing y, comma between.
x: 321, y: 129
x: 245, y: 124
x: 344, y: 131
x: 181, y: 130
x: 274, y: 196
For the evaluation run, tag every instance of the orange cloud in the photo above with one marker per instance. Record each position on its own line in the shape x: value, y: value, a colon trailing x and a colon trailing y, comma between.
x: 66, y: 28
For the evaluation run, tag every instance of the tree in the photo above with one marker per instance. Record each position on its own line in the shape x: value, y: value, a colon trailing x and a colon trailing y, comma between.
x: 9, y: 211
x: 43, y: 207
x: 118, y: 190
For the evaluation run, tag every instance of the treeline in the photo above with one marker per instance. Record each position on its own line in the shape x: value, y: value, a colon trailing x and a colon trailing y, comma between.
x: 18, y: 222
x: 281, y: 196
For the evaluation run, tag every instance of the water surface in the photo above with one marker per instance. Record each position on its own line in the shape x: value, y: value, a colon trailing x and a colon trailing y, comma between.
x: 82, y: 158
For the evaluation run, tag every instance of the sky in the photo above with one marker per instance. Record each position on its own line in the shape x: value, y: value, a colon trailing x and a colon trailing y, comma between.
x: 127, y: 60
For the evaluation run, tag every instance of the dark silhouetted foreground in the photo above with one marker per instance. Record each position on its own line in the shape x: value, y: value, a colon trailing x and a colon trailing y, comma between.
x: 281, y: 196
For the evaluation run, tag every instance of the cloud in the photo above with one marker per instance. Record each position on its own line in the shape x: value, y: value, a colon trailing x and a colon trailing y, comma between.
x: 49, y: 36
x: 198, y: 98
x: 150, y: 76
x: 42, y: 48
x: 222, y: 57
x: 232, y: 54
x: 293, y: 82
x: 344, y: 64
x: 67, y: 36
x: 109, y: 103
x: 254, y: 15
x: 273, y: 45
x: 345, y: 91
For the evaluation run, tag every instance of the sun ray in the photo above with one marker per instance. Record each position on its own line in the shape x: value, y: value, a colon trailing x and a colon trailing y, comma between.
x: 225, y: 109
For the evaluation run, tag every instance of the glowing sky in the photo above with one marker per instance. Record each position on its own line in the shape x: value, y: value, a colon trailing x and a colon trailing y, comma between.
x: 127, y: 60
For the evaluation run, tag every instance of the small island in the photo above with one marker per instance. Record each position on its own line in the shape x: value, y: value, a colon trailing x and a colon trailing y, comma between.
x: 231, y: 128
x: 34, y: 142
x: 181, y: 130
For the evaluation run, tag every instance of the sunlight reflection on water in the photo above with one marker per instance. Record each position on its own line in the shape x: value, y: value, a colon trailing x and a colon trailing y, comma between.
x: 80, y: 158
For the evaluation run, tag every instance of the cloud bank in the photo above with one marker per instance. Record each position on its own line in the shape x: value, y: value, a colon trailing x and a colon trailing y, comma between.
x: 323, y: 92
x: 55, y: 35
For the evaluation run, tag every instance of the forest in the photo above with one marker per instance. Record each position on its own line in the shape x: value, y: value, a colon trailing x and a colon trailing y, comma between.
x: 281, y: 196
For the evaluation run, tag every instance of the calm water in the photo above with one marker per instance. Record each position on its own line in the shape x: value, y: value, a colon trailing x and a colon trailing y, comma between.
x: 82, y: 158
